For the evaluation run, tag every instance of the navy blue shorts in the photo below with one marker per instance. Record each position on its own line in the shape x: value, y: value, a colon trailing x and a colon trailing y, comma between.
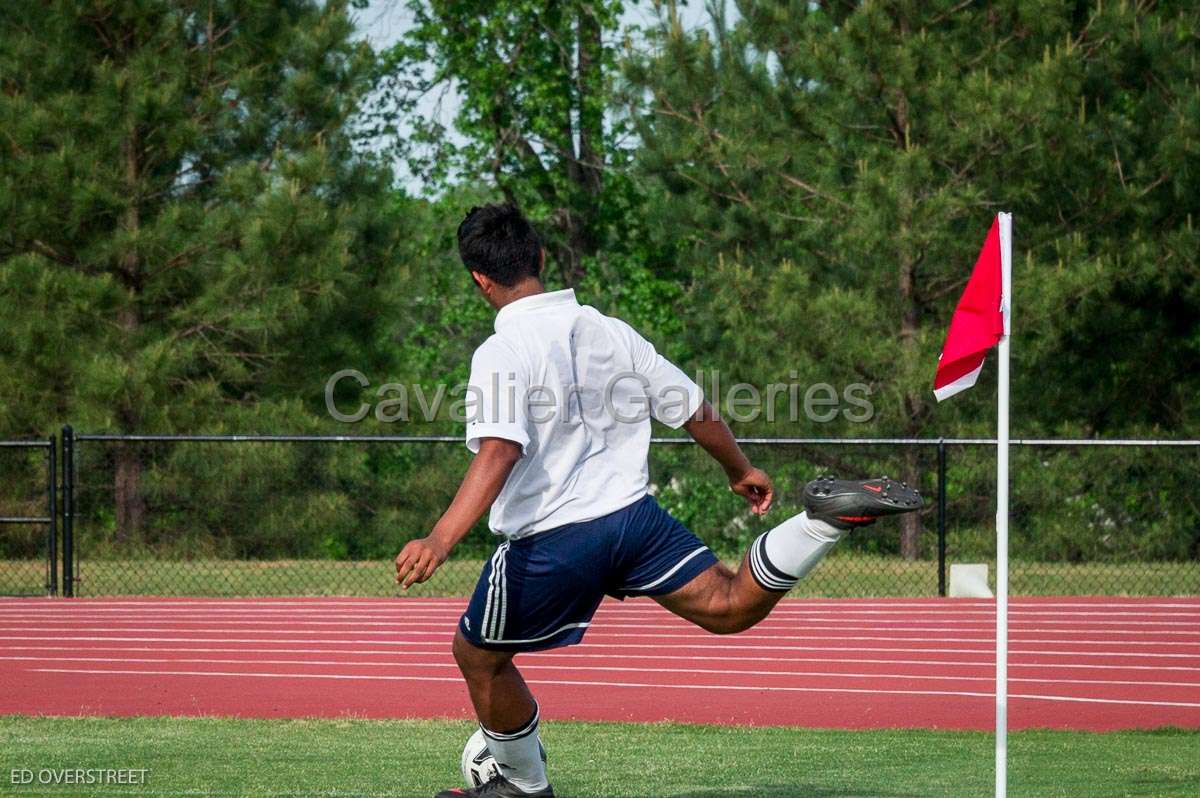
x: 541, y: 591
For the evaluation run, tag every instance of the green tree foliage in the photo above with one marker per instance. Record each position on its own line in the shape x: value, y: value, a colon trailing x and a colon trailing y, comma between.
x: 836, y: 165
x: 188, y: 230
x: 536, y: 124
x: 535, y: 83
x: 192, y: 242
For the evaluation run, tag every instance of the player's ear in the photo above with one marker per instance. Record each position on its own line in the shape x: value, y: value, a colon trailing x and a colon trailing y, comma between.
x: 482, y: 281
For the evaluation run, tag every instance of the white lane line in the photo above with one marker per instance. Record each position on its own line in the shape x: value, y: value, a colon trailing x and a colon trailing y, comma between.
x: 657, y: 621
x: 681, y: 629
x: 815, y: 616
x: 726, y: 648
x: 1105, y: 700
x: 661, y: 622
x: 611, y: 669
x: 684, y: 633
x: 986, y: 662
x: 607, y: 627
x: 734, y: 643
x: 399, y: 601
x: 405, y: 606
x: 582, y: 683
x: 667, y: 624
x: 633, y: 605
x: 892, y: 606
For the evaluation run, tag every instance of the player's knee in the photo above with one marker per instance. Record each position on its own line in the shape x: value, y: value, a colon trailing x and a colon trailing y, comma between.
x: 465, y: 655
x: 725, y: 618
x: 716, y: 626
x: 727, y: 624
x: 476, y: 663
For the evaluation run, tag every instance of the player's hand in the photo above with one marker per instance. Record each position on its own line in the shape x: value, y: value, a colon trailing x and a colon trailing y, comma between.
x: 418, y: 561
x: 755, y: 487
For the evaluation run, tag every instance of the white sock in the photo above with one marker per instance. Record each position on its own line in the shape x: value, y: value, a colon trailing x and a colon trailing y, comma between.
x: 783, y: 556
x: 519, y: 755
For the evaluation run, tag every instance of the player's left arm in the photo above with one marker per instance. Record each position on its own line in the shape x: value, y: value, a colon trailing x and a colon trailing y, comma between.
x: 485, y: 477
x: 714, y: 436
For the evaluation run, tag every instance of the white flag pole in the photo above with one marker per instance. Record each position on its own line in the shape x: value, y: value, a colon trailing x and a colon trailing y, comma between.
x: 1002, y: 513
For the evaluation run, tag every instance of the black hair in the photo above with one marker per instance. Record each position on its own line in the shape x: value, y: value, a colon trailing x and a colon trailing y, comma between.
x: 498, y: 241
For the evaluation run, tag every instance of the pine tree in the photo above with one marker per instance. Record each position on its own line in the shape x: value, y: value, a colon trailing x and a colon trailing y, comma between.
x: 188, y: 228
x: 846, y: 159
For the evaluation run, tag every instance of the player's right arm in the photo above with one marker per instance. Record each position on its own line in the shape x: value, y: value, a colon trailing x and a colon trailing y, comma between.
x: 498, y: 431
x: 485, y: 477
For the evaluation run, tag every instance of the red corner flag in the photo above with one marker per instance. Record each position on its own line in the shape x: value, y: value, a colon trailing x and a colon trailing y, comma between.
x: 977, y: 324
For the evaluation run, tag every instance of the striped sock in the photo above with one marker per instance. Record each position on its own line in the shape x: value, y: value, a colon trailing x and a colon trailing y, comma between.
x: 519, y: 755
x: 784, y: 555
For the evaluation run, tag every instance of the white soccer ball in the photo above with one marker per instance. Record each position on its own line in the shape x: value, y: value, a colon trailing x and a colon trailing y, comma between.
x: 478, y: 765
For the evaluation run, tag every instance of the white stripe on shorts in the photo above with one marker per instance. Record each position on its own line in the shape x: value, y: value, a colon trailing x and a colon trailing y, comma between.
x: 669, y: 573
x: 557, y: 631
x: 491, y: 595
x: 502, y: 594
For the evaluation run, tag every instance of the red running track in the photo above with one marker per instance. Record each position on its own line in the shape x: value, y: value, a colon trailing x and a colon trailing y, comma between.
x: 1078, y: 663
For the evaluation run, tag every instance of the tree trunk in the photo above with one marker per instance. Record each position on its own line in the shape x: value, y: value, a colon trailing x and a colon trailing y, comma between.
x: 910, y: 523
x: 578, y: 245
x: 590, y: 83
x: 585, y: 168
x: 130, y: 506
x: 914, y: 403
x: 569, y: 173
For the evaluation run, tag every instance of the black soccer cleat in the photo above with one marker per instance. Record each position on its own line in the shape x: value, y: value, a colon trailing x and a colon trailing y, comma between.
x: 846, y: 504
x: 498, y: 787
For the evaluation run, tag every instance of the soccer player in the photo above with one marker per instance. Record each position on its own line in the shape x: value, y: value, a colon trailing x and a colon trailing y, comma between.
x: 559, y: 403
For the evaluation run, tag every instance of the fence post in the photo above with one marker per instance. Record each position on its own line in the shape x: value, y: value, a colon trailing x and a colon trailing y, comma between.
x: 52, y: 531
x: 68, y: 512
x: 941, y: 517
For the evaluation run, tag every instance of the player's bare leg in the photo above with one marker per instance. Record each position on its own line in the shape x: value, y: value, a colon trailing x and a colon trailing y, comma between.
x: 725, y: 602
x: 501, y: 698
x: 721, y: 601
x: 508, y: 716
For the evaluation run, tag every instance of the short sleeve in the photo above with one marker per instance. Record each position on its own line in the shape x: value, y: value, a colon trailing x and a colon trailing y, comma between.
x: 674, y: 397
x: 496, y: 396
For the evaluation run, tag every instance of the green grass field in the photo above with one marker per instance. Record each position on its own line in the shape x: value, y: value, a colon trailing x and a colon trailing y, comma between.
x: 838, y: 577
x: 413, y: 759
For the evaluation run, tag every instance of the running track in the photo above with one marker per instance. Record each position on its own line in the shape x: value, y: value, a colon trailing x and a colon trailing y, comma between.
x: 1082, y: 663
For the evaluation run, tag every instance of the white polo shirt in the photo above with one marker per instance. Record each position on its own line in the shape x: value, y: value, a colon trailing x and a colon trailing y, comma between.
x: 576, y: 389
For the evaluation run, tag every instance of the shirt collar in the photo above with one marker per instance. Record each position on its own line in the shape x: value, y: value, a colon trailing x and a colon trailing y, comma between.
x: 547, y: 299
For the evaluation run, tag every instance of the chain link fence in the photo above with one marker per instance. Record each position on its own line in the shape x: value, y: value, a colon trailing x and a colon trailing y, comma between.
x: 260, y: 515
x: 315, y: 515
x: 1086, y: 517
x: 28, y: 518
